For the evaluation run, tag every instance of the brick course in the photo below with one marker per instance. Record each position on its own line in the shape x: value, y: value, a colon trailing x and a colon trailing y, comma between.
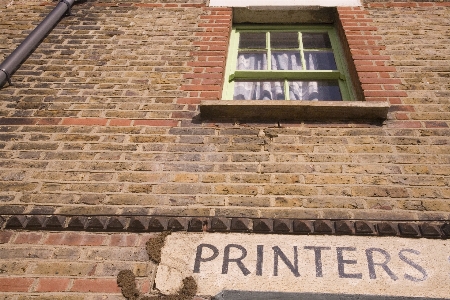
x: 90, y: 270
x: 103, y: 119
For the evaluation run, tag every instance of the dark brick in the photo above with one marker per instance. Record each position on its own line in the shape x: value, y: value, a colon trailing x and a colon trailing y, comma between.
x: 409, y: 229
x: 11, y: 209
x: 15, y: 222
x: 323, y: 227
x: 282, y: 225
x: 430, y: 231
x: 138, y: 224
x: 220, y: 224
x: 176, y: 224
x: 116, y: 224
x: 54, y: 223
x: 76, y: 223
x: 363, y: 228
x: 95, y: 223
x: 18, y: 121
x: 155, y: 224
x: 344, y: 227
x: 446, y: 229
x: 196, y: 225
x: 302, y: 227
x: 386, y: 228
x: 35, y: 222
x: 43, y: 210
x: 262, y: 225
x: 5, y: 237
x: 240, y: 224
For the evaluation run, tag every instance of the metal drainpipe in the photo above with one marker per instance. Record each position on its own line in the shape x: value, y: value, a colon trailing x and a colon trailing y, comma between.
x: 13, y: 61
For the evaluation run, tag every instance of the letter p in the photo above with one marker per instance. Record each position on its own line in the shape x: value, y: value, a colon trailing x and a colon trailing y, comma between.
x: 199, y: 259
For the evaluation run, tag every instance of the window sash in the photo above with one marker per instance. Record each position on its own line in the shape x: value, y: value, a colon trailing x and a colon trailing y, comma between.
x: 232, y: 74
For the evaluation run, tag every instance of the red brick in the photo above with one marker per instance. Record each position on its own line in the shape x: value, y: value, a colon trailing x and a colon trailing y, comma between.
x: 360, y: 28
x: 212, y: 95
x: 402, y: 108
x: 123, y: 240
x: 144, y: 285
x: 97, y: 285
x: 401, y: 116
x: 5, y: 236
x: 202, y: 87
x: 84, y: 121
x: 119, y: 122
x: 205, y: 64
x: 372, y: 87
x: 191, y: 5
x: 49, y: 121
x: 425, y: 4
x: 75, y: 239
x: 384, y: 99
x: 155, y: 123
x: 395, y: 100
x: 188, y: 101
x: 375, y: 69
x: 385, y: 93
x: 28, y: 238
x: 371, y: 57
x: 52, y: 284
x: 15, y: 284
x: 368, y: 80
x: 405, y: 124
x: 378, y: 5
x: 401, y: 4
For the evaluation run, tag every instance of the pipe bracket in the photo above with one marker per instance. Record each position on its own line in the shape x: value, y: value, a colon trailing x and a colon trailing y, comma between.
x: 69, y: 11
x: 8, y: 76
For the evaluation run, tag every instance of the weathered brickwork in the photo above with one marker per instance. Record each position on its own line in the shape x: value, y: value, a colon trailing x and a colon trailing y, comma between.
x: 103, y: 120
x: 71, y: 265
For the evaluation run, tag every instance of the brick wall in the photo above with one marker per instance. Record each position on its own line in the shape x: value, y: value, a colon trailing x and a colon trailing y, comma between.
x: 71, y: 265
x: 103, y: 120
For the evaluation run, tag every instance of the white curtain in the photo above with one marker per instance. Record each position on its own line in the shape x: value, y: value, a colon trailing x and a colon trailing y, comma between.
x: 274, y: 90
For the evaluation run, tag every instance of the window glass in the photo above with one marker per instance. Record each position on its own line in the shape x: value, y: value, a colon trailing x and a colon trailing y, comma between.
x: 252, y: 40
x: 259, y: 90
x: 287, y: 60
x: 251, y: 61
x: 316, y: 40
x: 314, y: 90
x: 286, y: 63
x: 320, y: 60
x: 284, y: 40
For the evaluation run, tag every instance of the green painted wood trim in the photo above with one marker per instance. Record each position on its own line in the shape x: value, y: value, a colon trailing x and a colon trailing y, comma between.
x: 285, y: 75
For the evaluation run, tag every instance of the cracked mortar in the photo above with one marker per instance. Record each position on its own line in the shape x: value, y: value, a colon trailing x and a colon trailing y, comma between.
x: 126, y: 280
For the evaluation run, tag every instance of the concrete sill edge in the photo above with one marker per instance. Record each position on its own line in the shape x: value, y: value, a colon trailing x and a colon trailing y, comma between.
x: 270, y: 110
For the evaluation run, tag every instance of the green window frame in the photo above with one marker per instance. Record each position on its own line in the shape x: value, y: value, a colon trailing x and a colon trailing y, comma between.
x: 338, y: 74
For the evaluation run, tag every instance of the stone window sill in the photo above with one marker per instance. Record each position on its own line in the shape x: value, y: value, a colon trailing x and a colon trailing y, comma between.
x: 269, y: 110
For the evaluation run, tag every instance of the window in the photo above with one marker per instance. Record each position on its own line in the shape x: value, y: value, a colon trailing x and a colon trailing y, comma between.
x: 286, y: 63
x: 285, y: 3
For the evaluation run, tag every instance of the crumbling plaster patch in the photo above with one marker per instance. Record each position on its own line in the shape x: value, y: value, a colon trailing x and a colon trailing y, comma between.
x: 126, y: 279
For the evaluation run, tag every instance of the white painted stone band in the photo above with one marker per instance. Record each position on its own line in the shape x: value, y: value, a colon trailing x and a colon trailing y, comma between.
x: 386, y: 266
x: 257, y: 3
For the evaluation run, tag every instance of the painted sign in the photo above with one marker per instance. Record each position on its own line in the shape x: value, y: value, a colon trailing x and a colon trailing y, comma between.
x: 313, y: 264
